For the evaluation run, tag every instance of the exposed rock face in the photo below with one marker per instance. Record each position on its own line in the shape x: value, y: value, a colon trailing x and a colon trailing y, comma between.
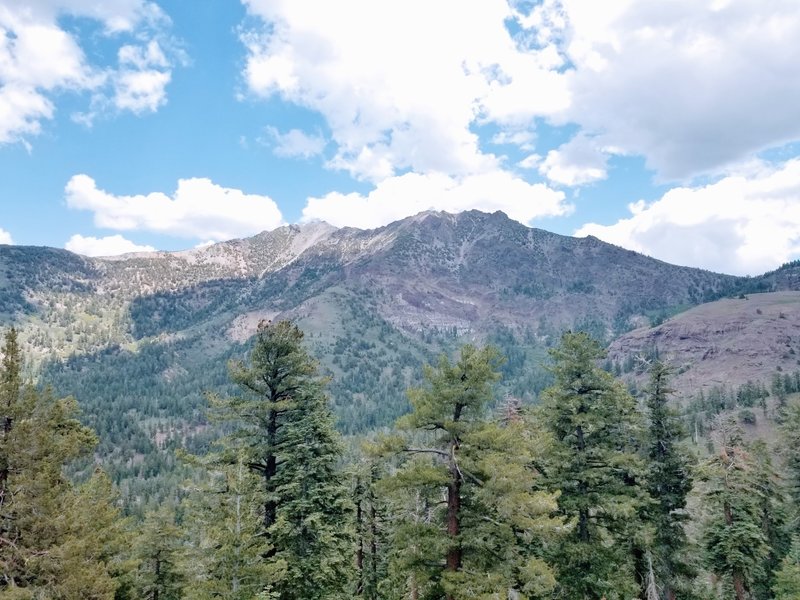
x: 466, y: 271
x: 726, y: 342
x: 375, y: 304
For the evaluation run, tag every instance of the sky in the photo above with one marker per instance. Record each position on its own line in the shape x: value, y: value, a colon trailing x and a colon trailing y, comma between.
x: 670, y: 128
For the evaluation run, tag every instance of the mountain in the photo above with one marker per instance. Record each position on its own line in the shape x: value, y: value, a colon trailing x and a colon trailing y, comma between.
x: 724, y: 343
x: 140, y: 338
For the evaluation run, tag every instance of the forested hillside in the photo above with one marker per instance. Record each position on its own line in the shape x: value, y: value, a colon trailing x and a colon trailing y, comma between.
x: 591, y: 494
x: 140, y: 339
x: 451, y: 500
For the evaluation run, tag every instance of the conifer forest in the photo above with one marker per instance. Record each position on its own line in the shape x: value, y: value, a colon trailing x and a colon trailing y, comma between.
x: 595, y: 491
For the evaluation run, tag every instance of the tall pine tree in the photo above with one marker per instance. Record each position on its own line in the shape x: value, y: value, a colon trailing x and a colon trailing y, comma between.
x: 56, y: 540
x: 593, y: 461
x: 480, y: 541
x: 284, y: 430
x: 669, y: 481
x: 736, y: 543
x: 224, y: 528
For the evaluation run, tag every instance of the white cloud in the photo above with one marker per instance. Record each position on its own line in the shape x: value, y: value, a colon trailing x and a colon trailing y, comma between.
x: 401, y: 85
x: 532, y: 161
x: 575, y: 163
x: 40, y: 58
x: 523, y: 138
x: 294, y: 143
x: 692, y: 85
x: 404, y: 195
x: 111, y: 245
x: 198, y: 209
x: 140, y: 85
x: 141, y: 91
x: 744, y: 224
x: 5, y: 237
x: 116, y: 15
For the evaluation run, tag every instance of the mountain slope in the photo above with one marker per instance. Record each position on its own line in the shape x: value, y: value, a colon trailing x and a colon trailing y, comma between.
x: 139, y: 339
x: 723, y: 343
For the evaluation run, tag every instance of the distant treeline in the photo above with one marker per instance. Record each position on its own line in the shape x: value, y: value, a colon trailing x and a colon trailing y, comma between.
x: 591, y: 494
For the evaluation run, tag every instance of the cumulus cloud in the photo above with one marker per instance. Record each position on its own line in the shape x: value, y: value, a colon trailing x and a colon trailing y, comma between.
x: 140, y: 85
x: 39, y: 58
x: 575, y: 163
x: 398, y: 197
x: 294, y: 143
x: 5, y: 237
x: 198, y: 209
x: 691, y: 85
x: 111, y: 245
x: 742, y: 224
x: 394, y: 93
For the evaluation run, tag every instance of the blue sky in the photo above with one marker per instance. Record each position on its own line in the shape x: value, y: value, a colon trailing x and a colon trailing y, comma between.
x: 668, y: 128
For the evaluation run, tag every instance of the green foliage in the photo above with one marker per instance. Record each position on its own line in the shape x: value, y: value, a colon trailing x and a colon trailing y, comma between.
x: 56, y: 541
x: 735, y: 540
x: 283, y: 431
x: 224, y: 528
x: 592, y: 460
x: 669, y: 481
x: 774, y: 517
x: 486, y: 538
x: 787, y: 578
x: 790, y: 438
x: 157, y: 550
x: 372, y: 531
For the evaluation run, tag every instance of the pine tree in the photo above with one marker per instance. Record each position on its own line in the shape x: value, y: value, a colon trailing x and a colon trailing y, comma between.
x: 371, y: 531
x: 157, y: 551
x: 91, y: 557
x: 224, y: 529
x: 594, y: 427
x: 787, y: 578
x: 790, y: 448
x: 774, y: 517
x: 56, y: 541
x: 669, y: 481
x: 735, y: 541
x: 481, y: 540
x: 12, y: 406
x: 285, y: 430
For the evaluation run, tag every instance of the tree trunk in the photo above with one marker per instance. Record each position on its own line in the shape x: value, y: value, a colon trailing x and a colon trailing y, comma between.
x: 373, y: 547
x: 157, y: 576
x: 270, y: 506
x: 738, y: 580
x: 360, y: 550
x: 453, y: 509
x: 738, y: 586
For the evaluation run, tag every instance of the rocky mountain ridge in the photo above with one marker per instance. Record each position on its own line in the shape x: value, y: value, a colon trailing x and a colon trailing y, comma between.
x: 375, y: 304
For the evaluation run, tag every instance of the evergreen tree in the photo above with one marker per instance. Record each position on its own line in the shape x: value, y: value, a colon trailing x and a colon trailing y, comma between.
x: 736, y: 543
x: 481, y: 540
x: 669, y: 481
x: 790, y: 448
x: 594, y: 427
x: 92, y: 554
x: 285, y: 431
x: 774, y: 517
x: 787, y: 578
x: 56, y: 541
x: 157, y: 551
x: 371, y: 531
x: 224, y: 528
